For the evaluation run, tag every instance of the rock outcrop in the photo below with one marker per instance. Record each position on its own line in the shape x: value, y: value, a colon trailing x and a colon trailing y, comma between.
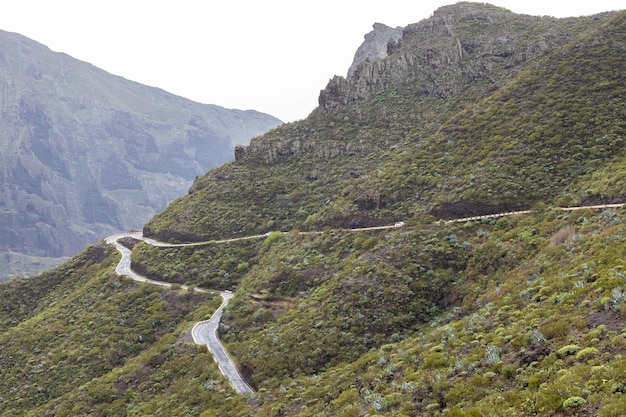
x: 376, y: 45
x: 459, y: 43
x: 466, y: 44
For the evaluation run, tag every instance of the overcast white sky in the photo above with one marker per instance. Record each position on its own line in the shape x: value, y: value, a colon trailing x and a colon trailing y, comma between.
x: 269, y: 55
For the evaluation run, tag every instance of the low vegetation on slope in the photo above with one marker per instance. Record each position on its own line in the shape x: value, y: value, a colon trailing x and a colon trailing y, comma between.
x: 511, y: 316
x: 79, y: 339
x: 540, y: 330
x: 521, y: 315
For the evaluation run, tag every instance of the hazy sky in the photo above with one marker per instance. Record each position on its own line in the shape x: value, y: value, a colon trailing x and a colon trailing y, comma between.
x: 269, y: 55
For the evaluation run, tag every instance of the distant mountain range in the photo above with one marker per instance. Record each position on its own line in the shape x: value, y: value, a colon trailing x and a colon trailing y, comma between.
x: 84, y: 153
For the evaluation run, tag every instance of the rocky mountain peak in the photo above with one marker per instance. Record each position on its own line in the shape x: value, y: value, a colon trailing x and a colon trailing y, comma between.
x: 375, y: 45
x: 460, y: 42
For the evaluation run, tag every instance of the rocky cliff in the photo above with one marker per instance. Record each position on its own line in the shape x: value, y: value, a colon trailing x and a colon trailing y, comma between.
x: 461, y: 50
x: 439, y: 55
x: 376, y: 45
x: 84, y: 153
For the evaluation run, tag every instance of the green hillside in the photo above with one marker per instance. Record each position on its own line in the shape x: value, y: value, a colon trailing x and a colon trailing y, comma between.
x: 476, y: 110
x: 501, y: 139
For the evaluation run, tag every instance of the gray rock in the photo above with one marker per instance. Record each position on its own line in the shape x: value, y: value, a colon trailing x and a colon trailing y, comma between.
x: 439, y: 55
x: 376, y: 45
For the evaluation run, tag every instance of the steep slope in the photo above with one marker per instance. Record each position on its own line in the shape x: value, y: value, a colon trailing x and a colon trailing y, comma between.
x: 519, y: 315
x: 483, y: 65
x: 541, y: 330
x: 502, y: 128
x: 84, y: 153
x: 69, y: 331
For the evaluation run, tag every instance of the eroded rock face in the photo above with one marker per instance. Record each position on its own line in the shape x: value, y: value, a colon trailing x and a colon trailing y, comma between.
x: 458, y: 47
x: 84, y: 153
x: 240, y: 152
x: 376, y: 45
x: 459, y: 43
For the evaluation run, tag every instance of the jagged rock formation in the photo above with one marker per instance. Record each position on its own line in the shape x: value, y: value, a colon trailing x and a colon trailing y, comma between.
x: 376, y: 45
x: 84, y: 153
x: 442, y: 55
x: 461, y: 47
x: 428, y: 102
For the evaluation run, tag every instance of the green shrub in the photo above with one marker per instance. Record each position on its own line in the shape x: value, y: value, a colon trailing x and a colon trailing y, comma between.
x: 432, y: 407
x: 567, y: 350
x: 437, y: 348
x: 489, y: 375
x: 370, y: 243
x: 557, y: 328
x: 587, y: 353
x: 615, y: 408
x: 271, y: 238
x: 618, y: 387
x: 573, y: 402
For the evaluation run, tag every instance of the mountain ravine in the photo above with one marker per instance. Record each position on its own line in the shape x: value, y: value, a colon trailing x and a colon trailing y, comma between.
x: 84, y: 153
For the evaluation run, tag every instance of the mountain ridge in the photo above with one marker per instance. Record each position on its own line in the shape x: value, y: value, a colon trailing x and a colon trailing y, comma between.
x: 365, y: 136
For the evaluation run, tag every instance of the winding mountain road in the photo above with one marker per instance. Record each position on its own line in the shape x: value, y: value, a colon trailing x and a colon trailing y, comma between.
x: 203, y: 332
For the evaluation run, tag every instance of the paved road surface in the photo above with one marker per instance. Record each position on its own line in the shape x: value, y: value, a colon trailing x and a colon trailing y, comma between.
x: 204, y: 332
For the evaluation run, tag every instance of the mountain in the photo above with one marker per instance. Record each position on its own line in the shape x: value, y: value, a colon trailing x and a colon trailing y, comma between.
x: 84, y: 153
x: 445, y: 125
x: 366, y: 290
